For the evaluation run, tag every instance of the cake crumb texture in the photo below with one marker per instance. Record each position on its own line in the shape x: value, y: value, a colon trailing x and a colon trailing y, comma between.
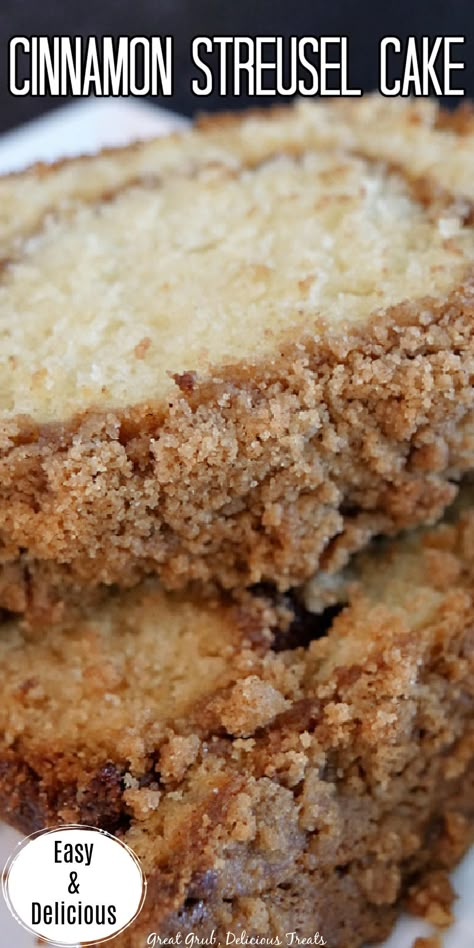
x: 229, y: 406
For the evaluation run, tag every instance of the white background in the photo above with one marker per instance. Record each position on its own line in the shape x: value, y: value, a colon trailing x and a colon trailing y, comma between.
x: 86, y: 126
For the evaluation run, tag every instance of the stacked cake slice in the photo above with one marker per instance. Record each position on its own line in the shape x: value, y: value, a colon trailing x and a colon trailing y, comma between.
x: 274, y: 769
x: 229, y: 360
x: 233, y: 356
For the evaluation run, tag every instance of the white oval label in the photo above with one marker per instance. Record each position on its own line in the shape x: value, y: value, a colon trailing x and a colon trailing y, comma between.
x: 74, y: 884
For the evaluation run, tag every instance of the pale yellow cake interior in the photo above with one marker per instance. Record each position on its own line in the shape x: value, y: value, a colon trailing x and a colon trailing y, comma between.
x: 106, y: 302
x: 404, y: 132
x: 141, y: 652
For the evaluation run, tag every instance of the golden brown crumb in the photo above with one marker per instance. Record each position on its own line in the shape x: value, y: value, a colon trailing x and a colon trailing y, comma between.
x: 176, y: 755
x: 433, y: 899
x: 432, y: 941
x: 250, y: 705
x: 141, y: 802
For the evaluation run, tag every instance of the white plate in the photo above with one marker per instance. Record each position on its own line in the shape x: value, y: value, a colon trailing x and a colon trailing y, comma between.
x: 87, y: 126
x: 83, y: 127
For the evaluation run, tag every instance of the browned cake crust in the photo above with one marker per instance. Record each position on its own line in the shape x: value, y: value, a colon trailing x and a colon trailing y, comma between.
x: 254, y: 472
x: 263, y: 474
x: 305, y: 777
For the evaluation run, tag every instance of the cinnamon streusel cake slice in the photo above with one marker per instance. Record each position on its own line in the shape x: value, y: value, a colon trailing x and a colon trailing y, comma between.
x: 274, y: 770
x: 234, y: 355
